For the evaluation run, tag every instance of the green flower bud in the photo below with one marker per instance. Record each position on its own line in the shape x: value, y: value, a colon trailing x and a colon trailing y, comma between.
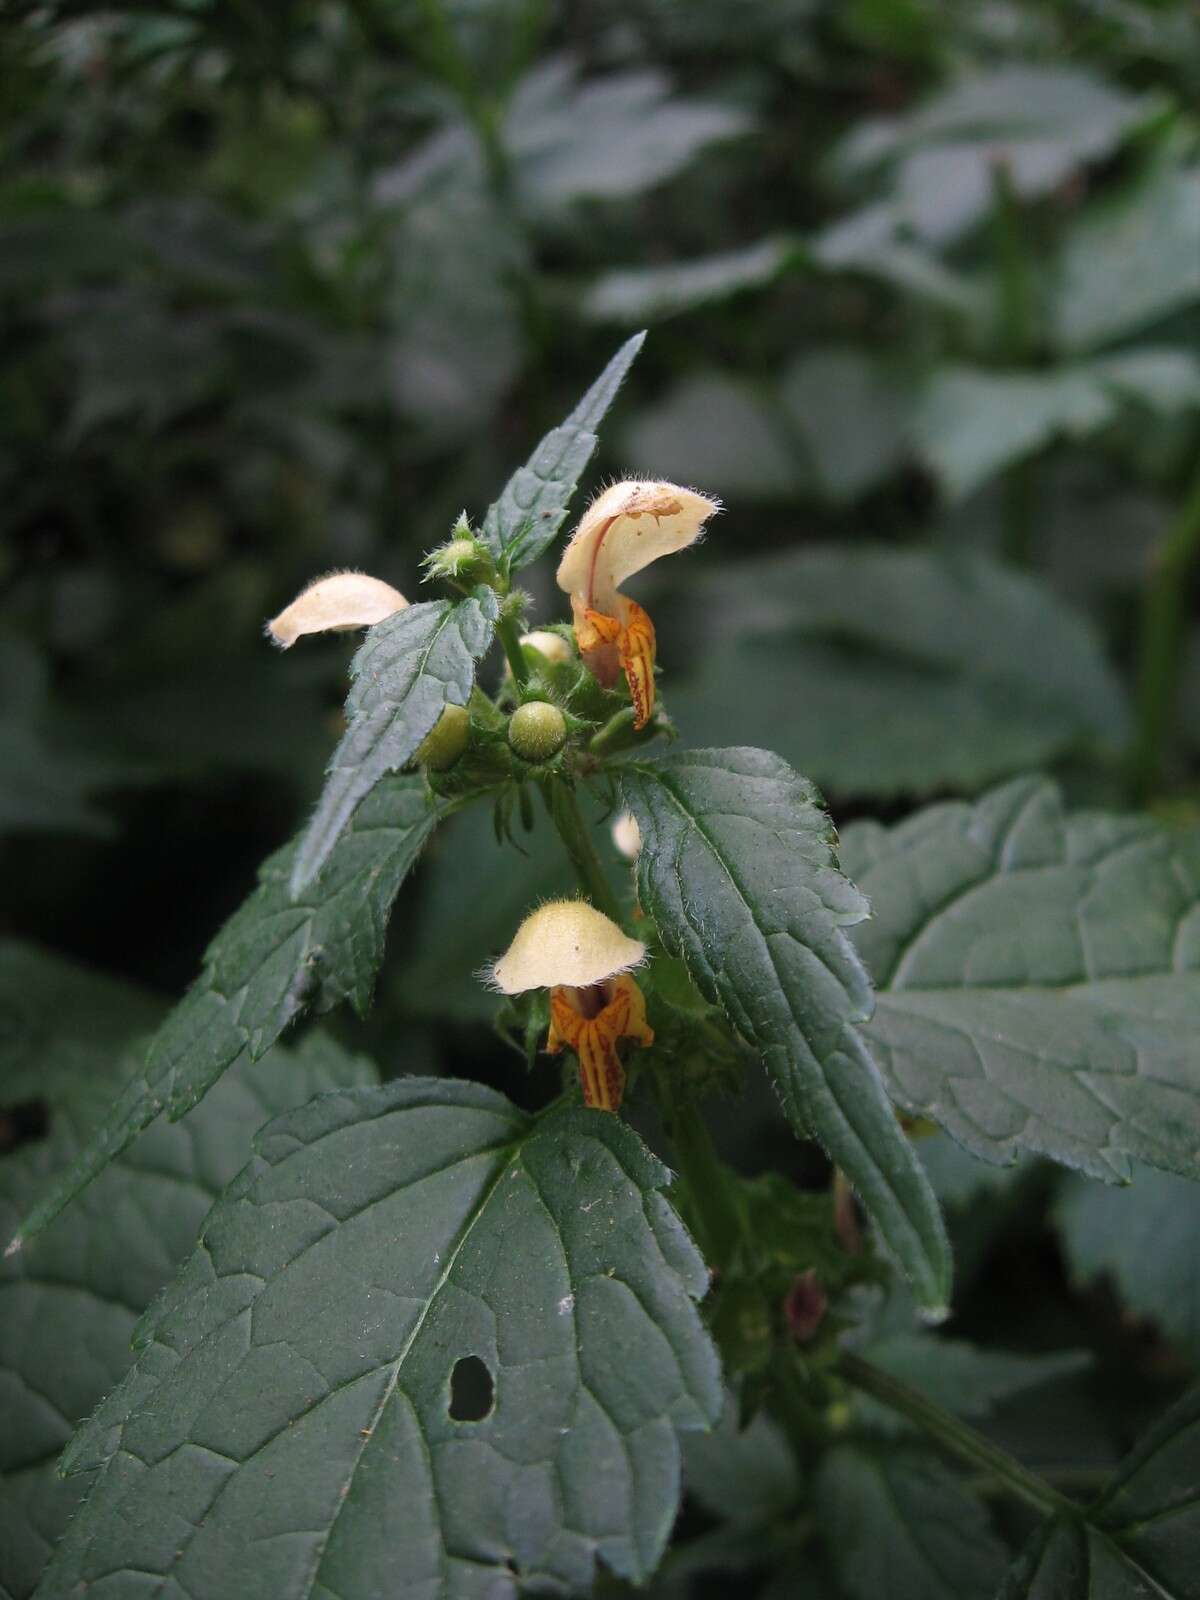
x: 537, y: 730
x: 464, y: 559
x: 446, y: 740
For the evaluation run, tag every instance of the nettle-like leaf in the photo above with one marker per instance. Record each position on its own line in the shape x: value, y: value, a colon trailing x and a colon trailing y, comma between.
x: 273, y: 959
x: 1143, y: 1237
x: 899, y: 1523
x: 649, y: 294
x: 1131, y: 259
x: 291, y: 1425
x: 738, y: 871
x: 67, y: 1309
x: 407, y: 670
x: 1038, y: 977
x: 524, y: 522
x: 964, y: 671
x: 1142, y: 1536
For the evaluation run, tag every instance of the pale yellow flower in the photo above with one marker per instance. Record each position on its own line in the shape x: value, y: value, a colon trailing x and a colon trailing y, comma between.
x: 342, y: 601
x: 624, y: 529
x: 584, y: 959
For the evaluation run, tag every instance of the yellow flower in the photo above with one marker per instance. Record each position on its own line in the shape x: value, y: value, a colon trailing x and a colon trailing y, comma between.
x: 584, y: 959
x: 339, y: 602
x: 624, y: 529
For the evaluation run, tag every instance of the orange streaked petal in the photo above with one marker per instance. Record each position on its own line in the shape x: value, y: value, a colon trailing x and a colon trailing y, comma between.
x: 637, y: 649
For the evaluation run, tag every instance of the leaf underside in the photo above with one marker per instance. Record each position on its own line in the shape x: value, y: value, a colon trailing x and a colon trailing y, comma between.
x: 739, y: 873
x: 287, y: 1428
x: 408, y: 669
x: 1039, y: 978
x: 523, y: 523
x: 273, y: 959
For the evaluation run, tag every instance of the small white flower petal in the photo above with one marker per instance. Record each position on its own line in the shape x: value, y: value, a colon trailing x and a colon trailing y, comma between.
x: 627, y: 836
x: 339, y: 602
x: 624, y: 529
x: 565, y: 942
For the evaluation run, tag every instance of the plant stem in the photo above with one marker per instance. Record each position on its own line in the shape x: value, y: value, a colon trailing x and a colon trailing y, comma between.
x: 955, y: 1436
x: 717, y: 1217
x: 510, y: 640
x: 1164, y: 612
x: 565, y: 815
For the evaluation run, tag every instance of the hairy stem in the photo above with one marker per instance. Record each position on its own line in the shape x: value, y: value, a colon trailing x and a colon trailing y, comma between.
x: 510, y: 642
x: 566, y: 817
x: 1164, y: 615
x: 955, y: 1436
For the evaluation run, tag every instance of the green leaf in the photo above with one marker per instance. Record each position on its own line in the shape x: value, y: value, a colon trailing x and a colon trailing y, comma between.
x: 407, y: 670
x: 971, y: 424
x: 1042, y: 122
x: 609, y: 138
x: 721, y: 432
x: 849, y: 414
x: 532, y: 507
x: 1131, y: 261
x: 961, y: 1377
x: 651, y: 294
x: 898, y: 1523
x: 273, y: 958
x: 289, y: 1427
x: 746, y: 1475
x: 738, y: 872
x: 1144, y: 1238
x: 963, y: 671
x: 1140, y: 1539
x: 1038, y: 977
x: 67, y: 1308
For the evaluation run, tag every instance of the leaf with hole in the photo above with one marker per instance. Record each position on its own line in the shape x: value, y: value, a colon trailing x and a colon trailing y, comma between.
x: 739, y: 874
x: 288, y: 1427
x: 1038, y: 977
x: 272, y: 960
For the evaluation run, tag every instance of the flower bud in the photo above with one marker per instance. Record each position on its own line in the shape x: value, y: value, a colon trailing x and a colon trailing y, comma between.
x: 463, y: 559
x: 446, y: 740
x: 537, y: 731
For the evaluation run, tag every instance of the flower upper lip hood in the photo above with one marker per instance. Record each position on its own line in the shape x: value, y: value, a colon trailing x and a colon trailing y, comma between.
x: 339, y: 602
x: 626, y: 527
x: 565, y: 943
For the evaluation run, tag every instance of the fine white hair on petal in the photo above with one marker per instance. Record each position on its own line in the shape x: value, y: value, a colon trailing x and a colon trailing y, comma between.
x: 341, y: 601
x: 564, y: 942
x: 626, y: 527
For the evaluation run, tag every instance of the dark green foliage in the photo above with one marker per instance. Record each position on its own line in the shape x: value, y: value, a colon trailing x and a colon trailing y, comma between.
x: 739, y: 873
x: 348, y: 1269
x: 290, y: 287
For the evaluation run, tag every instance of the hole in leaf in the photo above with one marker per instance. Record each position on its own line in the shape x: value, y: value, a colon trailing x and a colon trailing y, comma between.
x: 472, y: 1392
x: 23, y: 1123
